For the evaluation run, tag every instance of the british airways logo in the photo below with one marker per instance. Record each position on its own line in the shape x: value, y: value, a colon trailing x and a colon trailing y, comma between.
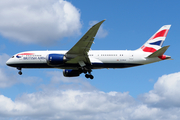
x: 20, y: 55
x: 30, y: 56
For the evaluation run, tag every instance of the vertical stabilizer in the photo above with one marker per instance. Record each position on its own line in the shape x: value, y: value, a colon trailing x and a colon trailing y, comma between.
x: 156, y: 41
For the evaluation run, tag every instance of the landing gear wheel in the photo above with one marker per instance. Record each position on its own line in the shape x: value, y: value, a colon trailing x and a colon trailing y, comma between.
x: 89, y: 76
x: 20, y: 73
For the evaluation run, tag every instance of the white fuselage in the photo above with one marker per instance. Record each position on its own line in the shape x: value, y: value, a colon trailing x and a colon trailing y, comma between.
x: 98, y: 58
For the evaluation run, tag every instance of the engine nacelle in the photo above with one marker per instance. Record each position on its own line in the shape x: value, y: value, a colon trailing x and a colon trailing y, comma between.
x: 55, y: 59
x: 71, y: 73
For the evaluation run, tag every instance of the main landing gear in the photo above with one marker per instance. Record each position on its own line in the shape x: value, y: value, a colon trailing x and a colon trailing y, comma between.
x: 89, y: 76
x: 20, y: 72
x: 87, y: 73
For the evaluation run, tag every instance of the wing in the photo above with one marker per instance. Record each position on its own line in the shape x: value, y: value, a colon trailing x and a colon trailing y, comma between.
x: 79, y: 52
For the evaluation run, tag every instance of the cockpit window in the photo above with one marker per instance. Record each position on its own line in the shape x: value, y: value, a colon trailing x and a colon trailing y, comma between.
x: 12, y: 57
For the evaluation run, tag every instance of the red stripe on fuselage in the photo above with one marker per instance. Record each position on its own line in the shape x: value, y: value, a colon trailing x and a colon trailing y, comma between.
x: 162, y: 33
x: 26, y: 54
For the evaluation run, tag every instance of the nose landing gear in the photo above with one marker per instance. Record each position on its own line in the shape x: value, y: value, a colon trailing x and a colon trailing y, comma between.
x: 20, y: 72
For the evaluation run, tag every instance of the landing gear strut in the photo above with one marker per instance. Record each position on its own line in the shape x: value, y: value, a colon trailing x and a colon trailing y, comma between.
x: 86, y: 70
x: 20, y: 72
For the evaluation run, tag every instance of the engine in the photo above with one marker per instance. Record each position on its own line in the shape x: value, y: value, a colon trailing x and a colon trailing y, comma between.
x: 55, y: 59
x: 71, y: 73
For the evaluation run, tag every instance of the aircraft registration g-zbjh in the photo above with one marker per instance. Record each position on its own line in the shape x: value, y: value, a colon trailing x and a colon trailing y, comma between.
x: 80, y: 59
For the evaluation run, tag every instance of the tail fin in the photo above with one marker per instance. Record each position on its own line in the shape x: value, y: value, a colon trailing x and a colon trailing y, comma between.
x: 156, y: 41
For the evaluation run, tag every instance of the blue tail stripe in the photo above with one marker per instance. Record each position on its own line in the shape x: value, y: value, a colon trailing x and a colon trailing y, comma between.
x: 156, y: 43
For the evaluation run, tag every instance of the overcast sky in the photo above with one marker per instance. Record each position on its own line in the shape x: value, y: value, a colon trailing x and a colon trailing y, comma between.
x: 149, y: 92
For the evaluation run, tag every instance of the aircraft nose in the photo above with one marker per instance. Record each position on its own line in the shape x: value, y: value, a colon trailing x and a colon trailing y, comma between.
x: 9, y: 62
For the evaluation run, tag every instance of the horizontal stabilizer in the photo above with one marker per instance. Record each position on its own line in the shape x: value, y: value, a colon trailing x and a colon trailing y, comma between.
x: 159, y: 52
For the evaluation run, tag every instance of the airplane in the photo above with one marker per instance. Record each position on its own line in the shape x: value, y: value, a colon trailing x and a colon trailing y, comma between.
x: 81, y: 59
